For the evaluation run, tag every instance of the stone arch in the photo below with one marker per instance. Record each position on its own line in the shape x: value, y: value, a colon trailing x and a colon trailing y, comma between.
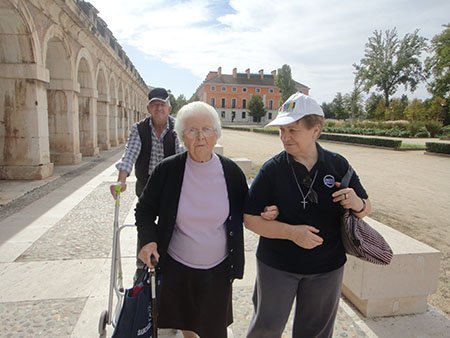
x: 62, y: 100
x: 103, y: 114
x: 24, y: 148
x: 87, y: 107
x: 19, y: 42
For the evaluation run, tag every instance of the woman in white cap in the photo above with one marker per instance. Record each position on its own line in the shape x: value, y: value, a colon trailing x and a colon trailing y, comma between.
x: 300, y: 254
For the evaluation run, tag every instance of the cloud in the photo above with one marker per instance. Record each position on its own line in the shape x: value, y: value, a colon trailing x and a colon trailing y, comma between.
x: 319, y: 39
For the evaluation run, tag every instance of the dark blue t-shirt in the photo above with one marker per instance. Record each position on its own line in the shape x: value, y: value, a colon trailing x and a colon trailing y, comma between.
x: 276, y: 184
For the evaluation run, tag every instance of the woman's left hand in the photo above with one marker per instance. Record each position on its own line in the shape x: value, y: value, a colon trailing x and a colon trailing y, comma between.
x: 347, y: 198
x: 270, y: 213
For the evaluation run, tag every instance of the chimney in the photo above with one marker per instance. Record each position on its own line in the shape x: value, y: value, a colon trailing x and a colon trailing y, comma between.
x: 234, y: 72
x: 248, y: 73
x: 219, y: 71
x: 261, y: 74
x: 274, y: 74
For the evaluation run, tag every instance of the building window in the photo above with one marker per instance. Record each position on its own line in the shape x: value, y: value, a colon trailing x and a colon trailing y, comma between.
x: 213, y: 88
x: 224, y: 89
x: 222, y: 114
x: 258, y: 90
x: 243, y: 115
x: 271, y: 90
x: 233, y: 103
x: 234, y: 89
x: 270, y: 116
x: 244, y: 104
x: 270, y: 104
x: 223, y: 102
x: 233, y: 116
x: 213, y: 102
x: 244, y: 90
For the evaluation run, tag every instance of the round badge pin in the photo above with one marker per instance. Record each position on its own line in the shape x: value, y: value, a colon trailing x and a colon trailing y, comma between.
x: 329, y: 181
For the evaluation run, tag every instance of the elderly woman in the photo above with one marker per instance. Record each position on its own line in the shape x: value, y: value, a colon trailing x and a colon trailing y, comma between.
x: 300, y: 254
x: 197, y: 198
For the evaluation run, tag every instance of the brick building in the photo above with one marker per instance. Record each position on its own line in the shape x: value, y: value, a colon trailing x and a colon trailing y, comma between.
x: 231, y: 93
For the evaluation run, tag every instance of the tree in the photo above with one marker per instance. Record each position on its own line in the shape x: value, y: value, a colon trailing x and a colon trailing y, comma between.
x: 337, y: 107
x: 354, y: 103
x: 285, y: 83
x: 179, y: 102
x: 389, y: 62
x: 396, y: 110
x: 372, y: 105
x: 416, y: 110
x: 326, y: 107
x: 256, y: 108
x: 438, y: 65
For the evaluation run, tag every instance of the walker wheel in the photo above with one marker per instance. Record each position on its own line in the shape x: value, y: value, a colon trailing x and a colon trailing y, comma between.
x: 102, y: 322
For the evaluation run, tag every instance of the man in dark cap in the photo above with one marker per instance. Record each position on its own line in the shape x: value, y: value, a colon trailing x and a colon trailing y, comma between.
x: 150, y: 141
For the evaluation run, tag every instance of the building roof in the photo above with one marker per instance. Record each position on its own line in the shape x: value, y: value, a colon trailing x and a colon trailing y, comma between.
x: 244, y: 79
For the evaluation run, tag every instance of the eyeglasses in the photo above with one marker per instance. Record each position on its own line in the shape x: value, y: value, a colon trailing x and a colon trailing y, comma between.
x: 193, y: 132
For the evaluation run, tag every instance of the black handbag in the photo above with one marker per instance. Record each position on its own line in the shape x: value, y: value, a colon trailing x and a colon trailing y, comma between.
x: 138, y: 315
x: 359, y: 238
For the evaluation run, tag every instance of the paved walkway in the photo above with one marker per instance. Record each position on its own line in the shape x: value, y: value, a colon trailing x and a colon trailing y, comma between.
x: 55, y: 243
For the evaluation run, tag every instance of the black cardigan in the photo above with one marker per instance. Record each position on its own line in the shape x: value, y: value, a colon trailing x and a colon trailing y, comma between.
x: 160, y: 200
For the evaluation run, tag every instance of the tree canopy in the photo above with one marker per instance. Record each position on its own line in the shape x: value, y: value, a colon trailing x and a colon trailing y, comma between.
x: 256, y: 107
x: 389, y: 62
x: 285, y: 83
x: 438, y: 64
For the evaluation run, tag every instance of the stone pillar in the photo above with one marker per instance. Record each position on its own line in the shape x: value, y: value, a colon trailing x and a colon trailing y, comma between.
x: 87, y: 104
x: 63, y: 124
x: 113, y: 125
x: 24, y: 138
x: 120, y: 120
x: 103, y: 122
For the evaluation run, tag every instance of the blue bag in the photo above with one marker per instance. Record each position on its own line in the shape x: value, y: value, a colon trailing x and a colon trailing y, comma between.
x: 136, y: 315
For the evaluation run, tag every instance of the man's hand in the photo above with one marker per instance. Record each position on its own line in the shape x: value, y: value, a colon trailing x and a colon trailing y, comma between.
x: 305, y: 236
x: 112, y: 188
x: 149, y: 254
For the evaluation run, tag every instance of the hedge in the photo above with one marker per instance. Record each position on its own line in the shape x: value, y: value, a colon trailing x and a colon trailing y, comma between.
x: 378, y: 142
x: 436, y: 147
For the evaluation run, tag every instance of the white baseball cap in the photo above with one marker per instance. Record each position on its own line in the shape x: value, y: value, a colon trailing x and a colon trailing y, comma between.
x: 296, y: 106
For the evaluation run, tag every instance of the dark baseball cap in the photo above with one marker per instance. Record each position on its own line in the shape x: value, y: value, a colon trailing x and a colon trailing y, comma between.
x: 159, y: 94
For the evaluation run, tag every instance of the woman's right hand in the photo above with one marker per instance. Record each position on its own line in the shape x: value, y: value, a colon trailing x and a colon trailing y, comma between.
x: 305, y: 236
x: 149, y: 254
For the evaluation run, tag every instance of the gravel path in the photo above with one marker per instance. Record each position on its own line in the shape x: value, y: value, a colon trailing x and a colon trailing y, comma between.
x: 409, y: 190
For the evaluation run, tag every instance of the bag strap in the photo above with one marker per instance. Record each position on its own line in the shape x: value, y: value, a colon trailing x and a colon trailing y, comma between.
x: 347, y: 177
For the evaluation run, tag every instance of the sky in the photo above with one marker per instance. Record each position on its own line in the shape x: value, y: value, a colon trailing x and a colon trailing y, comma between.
x: 175, y: 43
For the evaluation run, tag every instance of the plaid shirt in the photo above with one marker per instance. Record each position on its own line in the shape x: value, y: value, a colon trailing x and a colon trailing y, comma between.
x: 133, y: 148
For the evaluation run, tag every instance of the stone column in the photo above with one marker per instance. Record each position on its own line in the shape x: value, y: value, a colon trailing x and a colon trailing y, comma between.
x: 63, y: 122
x: 103, y: 122
x: 120, y: 119
x: 87, y: 103
x: 113, y: 123
x: 24, y: 138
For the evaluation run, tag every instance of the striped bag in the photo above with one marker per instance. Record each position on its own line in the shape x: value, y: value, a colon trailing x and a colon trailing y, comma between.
x: 359, y: 238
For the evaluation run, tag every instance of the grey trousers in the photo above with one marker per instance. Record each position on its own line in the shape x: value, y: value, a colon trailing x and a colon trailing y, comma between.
x: 317, y: 299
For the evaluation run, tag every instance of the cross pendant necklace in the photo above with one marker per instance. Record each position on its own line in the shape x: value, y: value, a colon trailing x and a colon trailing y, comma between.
x: 304, y: 202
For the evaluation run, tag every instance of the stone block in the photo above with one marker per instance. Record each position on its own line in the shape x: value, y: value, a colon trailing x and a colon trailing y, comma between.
x: 396, y: 289
x: 26, y: 172
x: 244, y: 163
x: 218, y: 149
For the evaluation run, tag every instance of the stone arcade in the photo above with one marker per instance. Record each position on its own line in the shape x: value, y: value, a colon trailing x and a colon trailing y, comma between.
x: 67, y: 88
